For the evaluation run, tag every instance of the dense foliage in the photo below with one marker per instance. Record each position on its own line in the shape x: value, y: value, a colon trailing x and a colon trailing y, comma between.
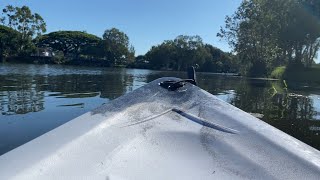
x: 113, y: 49
x: 116, y: 47
x: 70, y: 43
x: 269, y: 33
x: 8, y: 42
x: 185, y: 51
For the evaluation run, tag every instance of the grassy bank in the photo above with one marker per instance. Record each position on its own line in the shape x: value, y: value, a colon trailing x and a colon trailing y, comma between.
x: 310, y: 75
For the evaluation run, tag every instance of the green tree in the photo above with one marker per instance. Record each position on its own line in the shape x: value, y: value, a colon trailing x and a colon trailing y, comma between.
x: 185, y: 51
x: 24, y: 21
x: 71, y: 43
x: 269, y: 33
x: 189, y: 51
x: 219, y: 61
x: 161, y: 56
x: 116, y: 47
x: 8, y: 42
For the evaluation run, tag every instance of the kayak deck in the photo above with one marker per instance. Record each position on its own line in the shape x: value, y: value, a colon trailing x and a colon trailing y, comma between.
x: 153, y: 133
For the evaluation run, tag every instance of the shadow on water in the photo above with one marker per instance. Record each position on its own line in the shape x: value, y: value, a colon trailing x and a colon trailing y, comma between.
x: 37, y: 98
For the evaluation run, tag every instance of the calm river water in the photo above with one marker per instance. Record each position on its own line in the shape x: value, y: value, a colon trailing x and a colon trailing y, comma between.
x: 37, y: 98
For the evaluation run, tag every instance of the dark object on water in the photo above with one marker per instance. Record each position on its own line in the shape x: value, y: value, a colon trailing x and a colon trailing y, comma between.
x: 174, y: 85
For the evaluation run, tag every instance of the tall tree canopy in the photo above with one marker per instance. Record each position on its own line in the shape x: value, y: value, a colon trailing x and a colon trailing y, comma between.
x: 178, y: 54
x: 71, y: 43
x: 189, y: 51
x: 117, y: 46
x: 269, y: 33
x: 161, y: 56
x: 24, y: 21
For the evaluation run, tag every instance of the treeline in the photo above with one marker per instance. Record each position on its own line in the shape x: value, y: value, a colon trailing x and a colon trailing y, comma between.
x: 265, y: 34
x: 185, y: 51
x: 81, y: 48
x: 22, y: 39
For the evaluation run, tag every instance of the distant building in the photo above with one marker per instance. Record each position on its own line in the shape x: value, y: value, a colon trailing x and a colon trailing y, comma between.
x: 44, y: 52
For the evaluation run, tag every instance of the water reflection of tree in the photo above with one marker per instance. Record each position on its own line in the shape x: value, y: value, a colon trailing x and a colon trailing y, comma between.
x: 20, y: 95
x: 293, y: 114
x: 110, y: 85
x: 217, y: 84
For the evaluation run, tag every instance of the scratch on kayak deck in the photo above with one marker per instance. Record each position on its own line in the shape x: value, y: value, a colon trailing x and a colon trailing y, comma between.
x: 191, y: 117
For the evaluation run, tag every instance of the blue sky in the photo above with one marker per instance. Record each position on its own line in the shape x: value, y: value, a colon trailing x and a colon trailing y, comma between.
x: 146, y: 22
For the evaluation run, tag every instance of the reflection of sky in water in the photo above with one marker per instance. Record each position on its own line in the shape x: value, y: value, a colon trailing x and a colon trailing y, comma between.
x: 316, y: 105
x: 138, y: 78
x: 226, y: 95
